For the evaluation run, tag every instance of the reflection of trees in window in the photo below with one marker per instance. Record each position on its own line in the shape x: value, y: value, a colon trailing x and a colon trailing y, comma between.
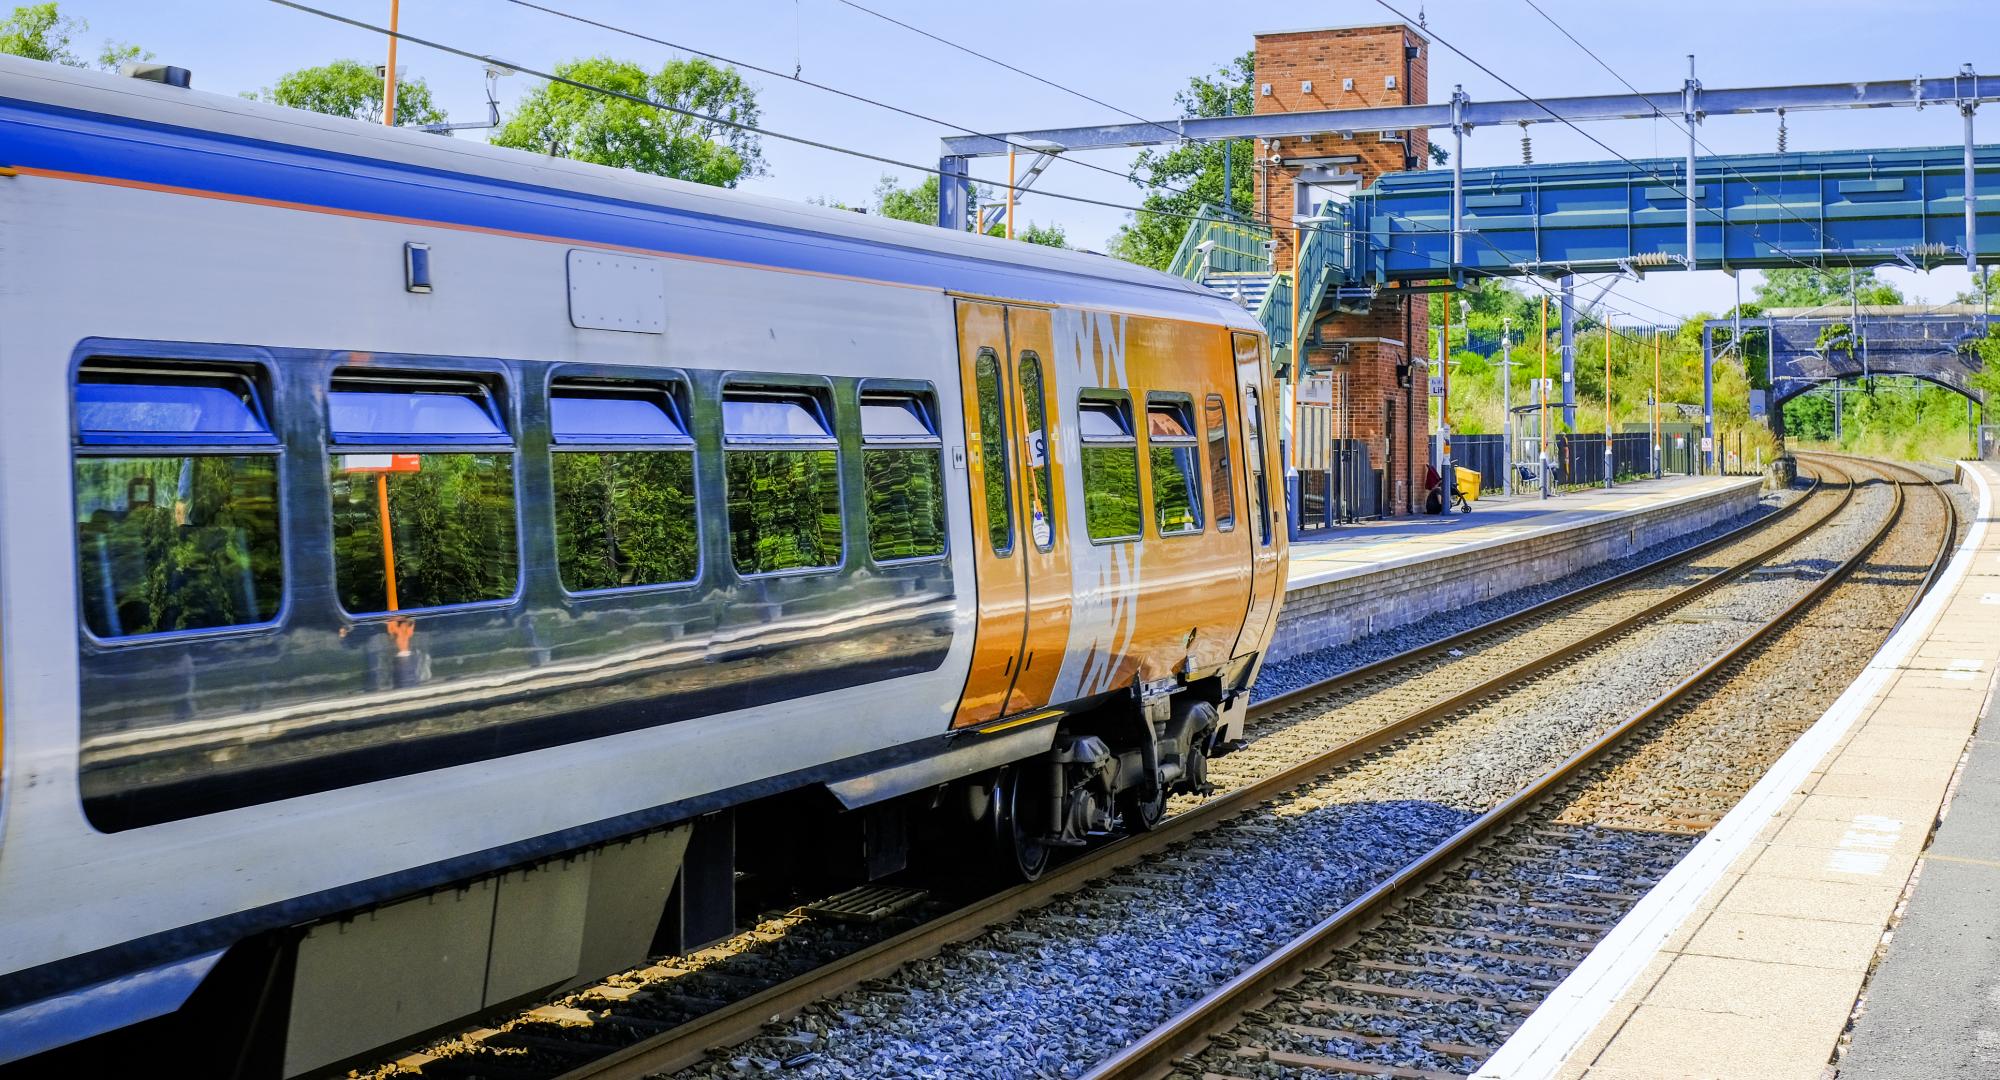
x: 1175, y: 467
x: 784, y: 509
x: 1253, y: 450
x: 1176, y: 501
x: 625, y: 518
x: 1110, y: 460
x: 994, y: 457
x: 451, y: 530
x: 1215, y: 420
x: 1041, y: 482
x: 1111, y: 492
x: 177, y: 543
x: 905, y: 503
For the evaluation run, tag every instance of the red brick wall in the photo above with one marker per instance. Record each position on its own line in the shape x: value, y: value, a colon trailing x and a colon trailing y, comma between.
x: 1378, y: 341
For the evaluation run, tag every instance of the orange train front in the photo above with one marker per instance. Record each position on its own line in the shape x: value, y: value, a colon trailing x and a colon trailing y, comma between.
x: 440, y: 532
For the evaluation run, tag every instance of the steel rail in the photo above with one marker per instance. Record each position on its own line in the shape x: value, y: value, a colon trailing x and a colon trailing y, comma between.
x: 1947, y: 537
x: 690, y: 1042
x: 1279, y: 702
x: 1216, y: 1012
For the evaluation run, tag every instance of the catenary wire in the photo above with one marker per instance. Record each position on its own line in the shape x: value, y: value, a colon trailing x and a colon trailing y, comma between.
x: 815, y: 143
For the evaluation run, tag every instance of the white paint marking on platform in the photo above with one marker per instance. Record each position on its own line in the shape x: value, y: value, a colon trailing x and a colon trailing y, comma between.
x: 1962, y: 670
x: 1863, y: 863
x: 1868, y: 831
x: 1538, y: 1048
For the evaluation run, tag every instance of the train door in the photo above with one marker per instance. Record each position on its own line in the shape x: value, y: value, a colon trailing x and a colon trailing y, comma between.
x: 1044, y: 545
x: 999, y: 563
x: 1266, y: 520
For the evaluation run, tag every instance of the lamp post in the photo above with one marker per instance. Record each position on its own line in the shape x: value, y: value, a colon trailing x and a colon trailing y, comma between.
x: 1609, y: 462
x: 1506, y: 404
x: 389, y: 76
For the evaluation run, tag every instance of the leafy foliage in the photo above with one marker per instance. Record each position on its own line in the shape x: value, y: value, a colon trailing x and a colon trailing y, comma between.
x: 784, y: 509
x: 905, y: 503
x: 1176, y: 499
x: 177, y: 543
x: 625, y: 518
x: 1111, y: 492
x: 571, y: 122
x: 352, y: 89
x: 1800, y: 287
x: 42, y: 32
x: 920, y: 204
x: 1194, y: 168
x: 451, y: 524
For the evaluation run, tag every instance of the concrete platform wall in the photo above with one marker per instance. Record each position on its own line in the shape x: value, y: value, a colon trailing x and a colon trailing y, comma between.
x: 1336, y: 612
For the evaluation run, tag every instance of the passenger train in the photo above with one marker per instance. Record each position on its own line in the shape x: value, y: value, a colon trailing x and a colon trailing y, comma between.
x: 424, y: 567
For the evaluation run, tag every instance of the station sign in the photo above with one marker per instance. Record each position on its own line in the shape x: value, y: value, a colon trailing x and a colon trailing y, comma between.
x: 381, y: 463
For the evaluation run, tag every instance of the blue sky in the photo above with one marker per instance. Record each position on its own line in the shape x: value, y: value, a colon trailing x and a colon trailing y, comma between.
x: 1133, y: 55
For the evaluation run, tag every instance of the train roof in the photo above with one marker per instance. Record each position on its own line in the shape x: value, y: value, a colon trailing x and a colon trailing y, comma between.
x: 88, y: 125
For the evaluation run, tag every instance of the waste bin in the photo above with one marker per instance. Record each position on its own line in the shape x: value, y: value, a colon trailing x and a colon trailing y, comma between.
x: 1468, y: 483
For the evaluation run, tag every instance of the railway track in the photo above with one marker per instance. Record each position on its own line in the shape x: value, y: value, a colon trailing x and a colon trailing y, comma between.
x: 573, y: 1040
x: 1422, y: 977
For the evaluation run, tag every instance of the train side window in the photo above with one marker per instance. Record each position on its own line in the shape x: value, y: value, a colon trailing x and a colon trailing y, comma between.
x: 1172, y: 449
x: 1041, y: 478
x: 1254, y: 452
x: 624, y: 487
x: 1215, y: 422
x: 995, y: 461
x: 421, y: 475
x: 1110, y: 459
x: 176, y: 500
x: 782, y: 467
x: 902, y: 462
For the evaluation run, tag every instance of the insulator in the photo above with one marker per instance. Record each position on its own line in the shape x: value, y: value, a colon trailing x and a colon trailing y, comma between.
x: 1527, y: 145
x: 1781, y: 131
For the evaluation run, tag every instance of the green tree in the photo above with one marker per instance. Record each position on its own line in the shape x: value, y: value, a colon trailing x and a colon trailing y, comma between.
x: 42, y: 32
x: 920, y: 204
x: 352, y: 89
x: 1800, y: 287
x: 585, y: 125
x: 1195, y: 169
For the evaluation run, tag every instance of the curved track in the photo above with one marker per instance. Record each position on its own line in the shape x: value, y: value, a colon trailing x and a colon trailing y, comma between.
x: 1318, y: 725
x: 1424, y: 975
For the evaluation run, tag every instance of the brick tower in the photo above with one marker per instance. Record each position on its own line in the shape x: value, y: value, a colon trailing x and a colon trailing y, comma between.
x: 1353, y: 67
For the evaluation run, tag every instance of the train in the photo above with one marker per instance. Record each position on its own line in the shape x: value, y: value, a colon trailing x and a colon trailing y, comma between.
x: 430, y: 572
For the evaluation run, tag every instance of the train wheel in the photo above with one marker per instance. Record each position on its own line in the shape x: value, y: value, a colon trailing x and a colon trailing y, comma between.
x: 1142, y: 808
x: 1021, y: 855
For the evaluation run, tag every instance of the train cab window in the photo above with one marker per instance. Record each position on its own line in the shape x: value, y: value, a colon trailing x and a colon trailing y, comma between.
x: 421, y: 475
x: 1172, y: 450
x: 902, y: 462
x: 623, y: 465
x: 1041, y: 481
x: 994, y: 459
x: 782, y: 465
x: 1253, y: 450
x: 1215, y: 423
x: 176, y: 501
x: 1110, y: 459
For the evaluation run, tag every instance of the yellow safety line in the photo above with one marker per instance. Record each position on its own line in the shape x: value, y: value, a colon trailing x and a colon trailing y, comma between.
x: 1964, y: 859
x: 1019, y: 721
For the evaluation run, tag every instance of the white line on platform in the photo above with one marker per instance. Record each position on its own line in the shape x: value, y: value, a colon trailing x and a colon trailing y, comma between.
x: 1573, y: 1010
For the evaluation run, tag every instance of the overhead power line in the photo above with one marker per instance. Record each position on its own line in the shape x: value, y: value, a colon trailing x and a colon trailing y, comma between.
x: 801, y: 140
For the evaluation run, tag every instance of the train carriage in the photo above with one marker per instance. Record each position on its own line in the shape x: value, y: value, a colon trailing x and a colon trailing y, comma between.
x: 414, y: 555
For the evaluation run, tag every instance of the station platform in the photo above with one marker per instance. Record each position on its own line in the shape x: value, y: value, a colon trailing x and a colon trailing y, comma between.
x: 1352, y: 580
x: 1844, y: 919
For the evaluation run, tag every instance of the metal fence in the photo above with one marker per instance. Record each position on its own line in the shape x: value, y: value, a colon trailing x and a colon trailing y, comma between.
x: 1485, y: 454
x: 1580, y: 457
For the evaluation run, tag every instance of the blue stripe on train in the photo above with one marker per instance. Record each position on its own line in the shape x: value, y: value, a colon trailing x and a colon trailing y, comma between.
x: 42, y: 136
